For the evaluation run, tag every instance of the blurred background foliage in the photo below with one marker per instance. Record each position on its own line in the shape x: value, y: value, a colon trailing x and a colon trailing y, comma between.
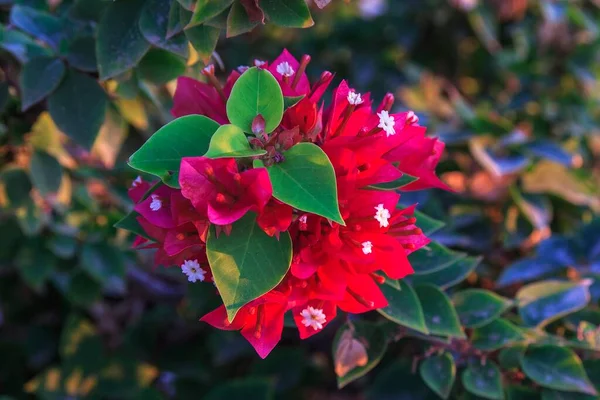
x: 504, y: 302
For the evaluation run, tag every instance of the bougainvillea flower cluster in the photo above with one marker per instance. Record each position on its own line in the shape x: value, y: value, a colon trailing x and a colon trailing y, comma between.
x: 335, y: 263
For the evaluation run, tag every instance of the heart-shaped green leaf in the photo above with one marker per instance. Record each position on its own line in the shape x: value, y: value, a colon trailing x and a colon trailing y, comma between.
x: 230, y: 141
x: 556, y: 367
x: 477, y: 307
x: 255, y: 92
x: 440, y: 316
x: 247, y: 263
x: 306, y: 180
x: 403, y: 307
x: 439, y: 373
x: 187, y: 136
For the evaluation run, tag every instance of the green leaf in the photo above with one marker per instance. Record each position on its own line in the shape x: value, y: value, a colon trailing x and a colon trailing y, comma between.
x: 247, y: 263
x: 427, y: 224
x: 291, y: 101
x: 154, y: 25
x: 542, y: 302
x: 102, y: 261
x: 287, y: 13
x: 450, y: 275
x: 130, y: 223
x: 46, y: 173
x: 204, y: 39
x: 120, y: 45
x: 404, y: 180
x: 230, y: 141
x: 160, y: 66
x: 81, y: 53
x: 38, y: 24
x: 433, y: 257
x: 83, y: 290
x: 78, y: 108
x: 484, y: 380
x: 373, y: 337
x: 439, y: 373
x: 31, y: 218
x: 62, y: 246
x: 255, y: 92
x: 510, y: 357
x: 16, y: 186
x: 35, y: 264
x: 20, y: 45
x: 242, y: 389
x: 440, y: 317
x: 403, y: 307
x: 556, y: 367
x: 207, y: 9
x: 35, y: 89
x: 187, y: 4
x: 495, y: 335
x: 187, y: 136
x: 477, y: 307
x: 238, y: 21
x: 306, y: 180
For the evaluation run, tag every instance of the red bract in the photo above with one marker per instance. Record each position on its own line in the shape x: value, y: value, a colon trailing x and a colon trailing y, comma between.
x: 333, y: 265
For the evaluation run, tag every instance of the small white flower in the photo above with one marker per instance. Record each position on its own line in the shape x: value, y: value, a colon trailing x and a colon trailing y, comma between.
x: 285, y: 69
x: 313, y: 317
x: 156, y: 203
x: 354, y: 98
x: 136, y: 182
x: 367, y: 247
x: 303, y: 219
x: 193, y: 271
x: 381, y: 215
x: 411, y: 118
x: 209, y: 69
x: 259, y: 63
x: 242, y: 68
x: 386, y: 122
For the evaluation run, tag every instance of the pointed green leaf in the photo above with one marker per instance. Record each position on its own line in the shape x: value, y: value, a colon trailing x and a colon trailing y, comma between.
x: 16, y: 186
x: 291, y: 101
x: 404, y: 180
x: 247, y: 263
x: 403, y: 307
x: 79, y: 116
x: 495, y: 335
x: 556, y: 367
x: 288, y: 13
x: 154, y: 25
x: 35, y: 89
x: 542, y: 302
x: 187, y: 136
x: 204, y: 39
x: 440, y: 317
x: 433, y: 257
x: 159, y: 67
x: 130, y: 223
x: 120, y: 45
x: 46, y: 173
x: 255, y: 92
x: 439, y: 373
x: 230, y: 141
x: 427, y: 224
x: 207, y: 9
x: 477, y: 307
x: 484, y: 380
x: 102, y: 261
x: 306, y: 180
x: 375, y: 342
x: 451, y: 275
x: 238, y: 21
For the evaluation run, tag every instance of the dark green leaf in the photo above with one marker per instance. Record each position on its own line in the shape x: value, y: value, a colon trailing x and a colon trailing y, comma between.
x: 528, y: 269
x: 439, y: 373
x: 79, y: 116
x: 404, y: 180
x: 81, y: 53
x: 477, y: 307
x: 510, y: 357
x: 154, y: 25
x: 238, y: 21
x: 31, y: 218
x: 542, y: 302
x: 247, y: 263
x: 484, y: 380
x: 440, y: 317
x: 495, y: 335
x: 306, y: 180
x: 375, y: 344
x: 160, y: 66
x: 83, y: 290
x: 230, y: 141
x: 36, y: 23
x: 246, y: 389
x: 288, y: 13
x: 427, y: 224
x: 130, y: 223
x: 120, y: 45
x: 204, y: 39
x: 256, y: 92
x: 175, y: 25
x: 556, y: 367
x: 33, y: 88
x: 433, y: 257
x: 403, y: 307
x: 35, y: 265
x: 398, y: 381
x: 207, y: 9
x: 187, y: 136
x: 291, y: 101
x: 62, y: 246
x: 20, y: 45
x: 17, y: 186
x: 549, y: 394
x: 450, y: 275
x: 46, y: 173
x: 102, y: 262
x: 187, y: 4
